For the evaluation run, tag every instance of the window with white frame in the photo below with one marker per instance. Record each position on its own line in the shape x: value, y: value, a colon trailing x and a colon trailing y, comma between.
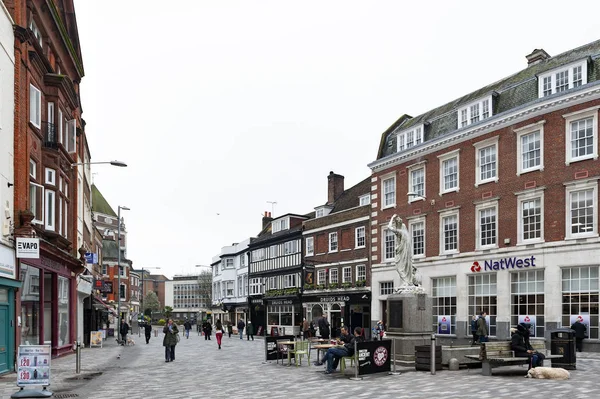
x: 359, y: 237
x: 36, y: 32
x: 243, y: 260
x: 364, y: 200
x: 527, y: 298
x: 36, y: 202
x: 530, y: 147
x: 258, y: 254
x: 50, y: 176
x: 580, y: 292
x: 417, y: 234
x: 319, y: 213
x: 245, y: 283
x: 289, y: 281
x: 255, y: 286
x: 361, y: 273
x: 229, y: 263
x: 449, y: 232
x: 280, y: 224
x: 290, y: 247
x: 563, y: 78
x: 449, y: 172
x: 486, y: 225
x: 333, y: 276
x: 272, y: 283
x: 389, y: 192
x: 50, y: 209
x: 417, y: 183
x: 389, y: 245
x: 474, y: 112
x: 35, y: 106
x: 582, y: 209
x: 310, y: 246
x: 581, y: 135
x: 487, y: 161
x: 530, y: 219
x: 32, y: 168
x: 409, y: 138
x: 321, y: 276
x: 71, y: 127
x: 482, y: 293
x: 444, y: 301
x: 229, y: 290
x: 273, y: 251
x: 333, y: 242
x: 347, y: 274
x: 386, y: 287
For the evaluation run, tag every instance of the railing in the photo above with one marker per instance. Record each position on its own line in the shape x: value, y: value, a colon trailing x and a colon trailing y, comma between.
x: 50, y: 135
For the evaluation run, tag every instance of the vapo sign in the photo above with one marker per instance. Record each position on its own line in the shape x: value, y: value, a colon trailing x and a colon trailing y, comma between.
x: 503, y: 264
x: 28, y: 248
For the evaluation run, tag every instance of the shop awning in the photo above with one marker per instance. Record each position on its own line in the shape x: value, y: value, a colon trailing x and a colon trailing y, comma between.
x: 99, y: 304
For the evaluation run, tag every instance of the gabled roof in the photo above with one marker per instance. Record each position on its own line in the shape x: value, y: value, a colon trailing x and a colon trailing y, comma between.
x: 512, y: 91
x: 100, y: 204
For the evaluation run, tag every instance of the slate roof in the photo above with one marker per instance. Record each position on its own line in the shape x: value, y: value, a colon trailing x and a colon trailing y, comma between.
x: 100, y: 204
x: 510, y: 92
x: 350, y: 197
x: 265, y: 235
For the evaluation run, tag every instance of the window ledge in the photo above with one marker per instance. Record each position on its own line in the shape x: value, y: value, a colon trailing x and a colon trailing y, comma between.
x: 388, y: 206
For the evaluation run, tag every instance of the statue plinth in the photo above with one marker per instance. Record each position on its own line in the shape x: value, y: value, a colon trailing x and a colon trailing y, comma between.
x: 409, y: 322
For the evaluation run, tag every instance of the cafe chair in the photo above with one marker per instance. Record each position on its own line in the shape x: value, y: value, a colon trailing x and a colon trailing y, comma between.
x: 282, y: 350
x: 343, y: 362
x: 301, y: 349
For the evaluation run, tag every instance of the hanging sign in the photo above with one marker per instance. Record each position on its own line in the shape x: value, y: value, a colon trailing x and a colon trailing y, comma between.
x: 28, y: 248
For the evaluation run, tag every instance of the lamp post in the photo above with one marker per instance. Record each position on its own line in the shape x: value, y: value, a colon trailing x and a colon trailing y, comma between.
x: 119, y: 268
x: 120, y: 164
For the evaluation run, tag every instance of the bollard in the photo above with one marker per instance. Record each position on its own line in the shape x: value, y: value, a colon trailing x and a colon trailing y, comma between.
x: 77, y: 357
x: 432, y: 354
x: 394, y: 372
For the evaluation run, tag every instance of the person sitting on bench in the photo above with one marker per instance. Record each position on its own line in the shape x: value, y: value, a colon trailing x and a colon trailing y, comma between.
x: 522, y: 347
x: 343, y: 339
x: 335, y: 354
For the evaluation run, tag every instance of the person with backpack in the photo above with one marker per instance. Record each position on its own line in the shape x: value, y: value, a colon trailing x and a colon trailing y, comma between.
x: 240, y: 327
x: 474, y: 331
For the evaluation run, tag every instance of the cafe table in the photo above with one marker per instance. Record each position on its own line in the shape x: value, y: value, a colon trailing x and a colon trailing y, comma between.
x: 290, y: 345
x: 323, y: 347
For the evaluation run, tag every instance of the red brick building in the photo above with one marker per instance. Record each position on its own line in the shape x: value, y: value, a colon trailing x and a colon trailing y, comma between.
x: 49, y: 138
x: 499, y: 191
x: 337, y: 258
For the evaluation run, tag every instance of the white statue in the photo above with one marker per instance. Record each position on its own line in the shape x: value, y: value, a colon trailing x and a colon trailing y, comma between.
x: 403, y: 260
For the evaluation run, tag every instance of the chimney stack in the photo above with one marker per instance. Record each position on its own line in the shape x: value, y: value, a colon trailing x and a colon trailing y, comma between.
x: 537, y: 56
x: 266, y: 219
x: 335, y: 187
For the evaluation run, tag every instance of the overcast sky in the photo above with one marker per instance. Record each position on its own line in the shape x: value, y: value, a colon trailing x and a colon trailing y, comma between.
x: 221, y: 106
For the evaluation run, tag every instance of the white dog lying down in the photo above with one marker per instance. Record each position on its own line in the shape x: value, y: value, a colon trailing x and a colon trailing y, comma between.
x: 548, y: 373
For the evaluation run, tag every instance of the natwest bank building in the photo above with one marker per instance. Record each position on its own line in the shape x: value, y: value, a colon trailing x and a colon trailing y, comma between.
x: 499, y: 191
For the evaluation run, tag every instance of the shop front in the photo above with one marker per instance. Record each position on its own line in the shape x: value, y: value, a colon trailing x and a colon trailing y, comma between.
x: 284, y: 316
x: 8, y: 285
x: 256, y: 313
x: 344, y: 309
x: 48, y: 308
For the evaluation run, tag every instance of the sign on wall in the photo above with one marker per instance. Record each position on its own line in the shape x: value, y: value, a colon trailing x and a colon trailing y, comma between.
x: 33, y: 365
x: 91, y: 258
x: 443, y: 325
x: 582, y: 318
x: 529, y: 320
x: 28, y: 248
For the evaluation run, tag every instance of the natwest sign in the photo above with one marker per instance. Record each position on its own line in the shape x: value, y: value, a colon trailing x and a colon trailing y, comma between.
x: 503, y: 264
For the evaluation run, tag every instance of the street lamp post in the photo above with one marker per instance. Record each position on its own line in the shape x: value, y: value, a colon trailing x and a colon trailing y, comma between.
x: 119, y: 268
x: 120, y: 164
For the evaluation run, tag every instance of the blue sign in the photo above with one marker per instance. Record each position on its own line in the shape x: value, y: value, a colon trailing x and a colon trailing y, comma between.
x: 91, y: 258
x: 444, y: 324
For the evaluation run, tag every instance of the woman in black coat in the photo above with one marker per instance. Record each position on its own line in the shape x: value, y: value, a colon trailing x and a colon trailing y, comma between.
x: 522, y: 347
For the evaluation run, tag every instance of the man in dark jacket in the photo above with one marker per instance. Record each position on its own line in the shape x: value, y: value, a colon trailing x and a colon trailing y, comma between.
x: 240, y: 327
x: 147, y: 331
x: 345, y: 338
x: 323, y: 327
x: 522, y: 348
x: 335, y: 354
x: 207, y: 329
x: 124, y: 330
x: 187, y: 326
x: 580, y: 333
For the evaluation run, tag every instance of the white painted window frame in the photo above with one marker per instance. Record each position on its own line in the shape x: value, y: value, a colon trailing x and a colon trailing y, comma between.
x: 347, y: 274
x: 384, y: 200
x: 479, y: 207
x: 32, y: 208
x: 552, y: 75
x: 412, y: 169
x: 524, y: 131
x: 523, y: 197
x: 467, y: 108
x: 50, y: 209
x: 442, y: 159
x: 384, y: 234
x: 333, y: 276
x: 357, y: 236
x: 415, y: 132
x: 35, y: 106
x: 411, y: 224
x: 364, y: 200
x: 492, y: 141
x: 321, y: 276
x: 443, y: 216
x: 32, y: 168
x: 50, y: 176
x: 310, y: 246
x: 361, y: 271
x: 576, y: 116
x: 571, y: 187
x: 332, y: 241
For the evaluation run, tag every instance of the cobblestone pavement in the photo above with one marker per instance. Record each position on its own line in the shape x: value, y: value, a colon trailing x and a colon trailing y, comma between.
x: 239, y: 371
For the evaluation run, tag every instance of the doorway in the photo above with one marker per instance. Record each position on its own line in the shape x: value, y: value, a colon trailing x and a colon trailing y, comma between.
x: 4, y: 331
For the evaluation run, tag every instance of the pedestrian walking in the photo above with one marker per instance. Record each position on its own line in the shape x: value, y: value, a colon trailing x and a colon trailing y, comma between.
x: 219, y: 332
x: 199, y: 328
x: 123, y: 330
x: 240, y: 327
x: 170, y: 340
x: 378, y: 331
x: 482, y: 328
x: 323, y: 327
x: 207, y: 329
x: 305, y: 328
x: 229, y: 328
x: 147, y: 331
x: 580, y: 333
x: 250, y: 331
x: 187, y: 326
x: 474, y: 330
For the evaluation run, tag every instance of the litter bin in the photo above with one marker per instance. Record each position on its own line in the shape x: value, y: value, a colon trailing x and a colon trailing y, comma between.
x: 562, y: 342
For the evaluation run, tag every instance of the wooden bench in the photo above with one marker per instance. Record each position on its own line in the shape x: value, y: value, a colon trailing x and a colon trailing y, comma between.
x: 499, y: 353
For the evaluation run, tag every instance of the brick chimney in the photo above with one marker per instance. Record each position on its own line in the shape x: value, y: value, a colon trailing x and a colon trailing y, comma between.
x: 266, y: 219
x: 335, y: 187
x: 537, y: 56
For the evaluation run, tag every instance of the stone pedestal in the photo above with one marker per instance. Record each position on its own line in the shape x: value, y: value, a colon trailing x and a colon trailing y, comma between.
x: 409, y: 324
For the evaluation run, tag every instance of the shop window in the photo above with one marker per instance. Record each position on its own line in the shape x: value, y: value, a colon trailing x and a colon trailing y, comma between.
x: 30, y: 305
x: 482, y: 297
x: 527, y: 299
x: 444, y: 301
x: 580, y: 290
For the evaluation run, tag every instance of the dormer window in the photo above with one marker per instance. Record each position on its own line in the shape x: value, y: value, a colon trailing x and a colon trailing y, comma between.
x: 281, y: 224
x: 410, y: 138
x: 563, y: 78
x: 364, y: 200
x: 322, y: 211
x: 474, y: 112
